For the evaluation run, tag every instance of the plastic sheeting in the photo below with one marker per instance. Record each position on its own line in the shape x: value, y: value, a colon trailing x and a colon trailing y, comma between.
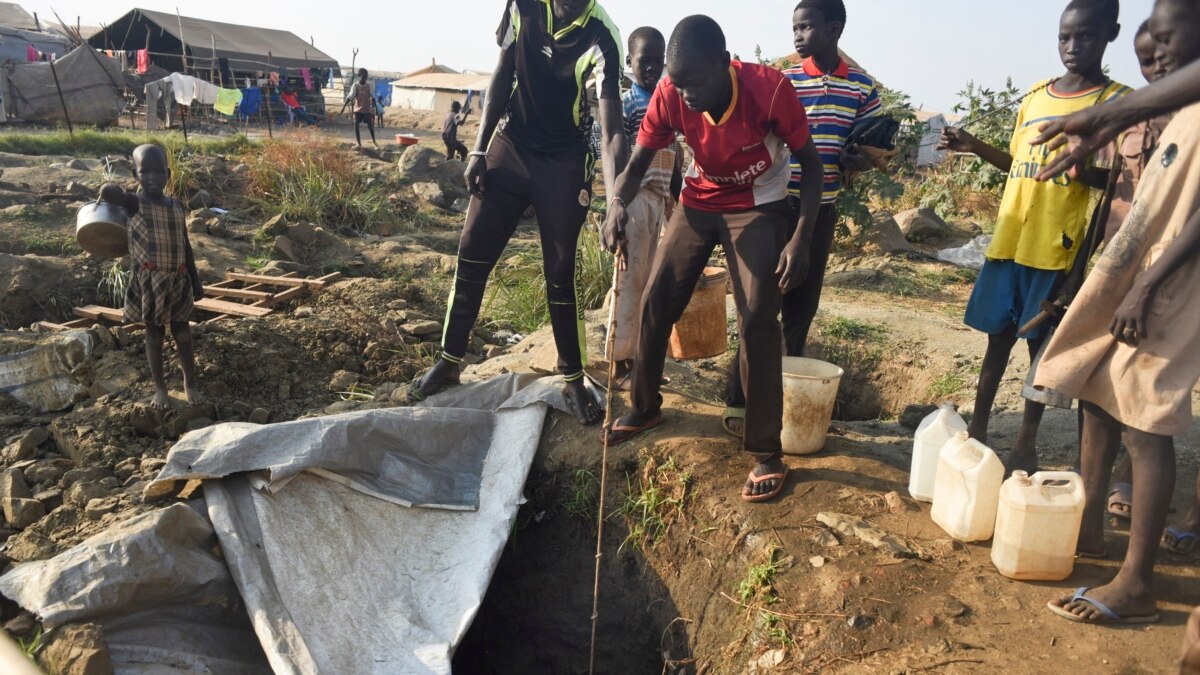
x: 336, y: 577
x: 41, y: 377
x: 91, y: 87
x: 972, y: 254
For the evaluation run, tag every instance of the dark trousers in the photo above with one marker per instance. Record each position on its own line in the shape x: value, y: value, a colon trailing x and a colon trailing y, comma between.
x: 753, y: 241
x: 559, y: 189
x: 799, y: 307
x: 455, y: 147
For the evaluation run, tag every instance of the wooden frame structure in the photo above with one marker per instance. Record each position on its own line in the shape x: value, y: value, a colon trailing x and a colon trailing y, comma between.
x: 239, y: 295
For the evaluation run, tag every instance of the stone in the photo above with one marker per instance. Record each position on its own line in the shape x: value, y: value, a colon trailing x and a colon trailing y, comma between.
x: 884, y: 232
x: 430, y: 192
x: 78, y: 649
x: 217, y: 227
x: 91, y: 474
x: 492, y: 351
x: 156, y: 491
x: 342, y: 380
x: 304, y: 312
x: 342, y: 407
x: 30, y: 441
x: 98, y: 508
x: 44, y: 474
x: 303, y: 234
x: 913, y: 415
x: 13, y: 486
x: 419, y: 162
x: 29, y: 546
x: 817, y: 561
x: 952, y: 608
x: 259, y: 416
x: 21, y: 626
x: 287, y: 248
x: 920, y: 224
x: 285, y: 391
x: 201, y: 200
x: 198, y: 423
x: 858, y: 622
x: 79, y: 165
x: 51, y: 499
x: 21, y: 513
x: 422, y: 328
x: 152, y: 465
x: 275, y: 226
x: 826, y: 538
x: 279, y: 268
x: 895, y: 502
x: 460, y: 205
x: 80, y: 495
x: 857, y: 278
x: 11, y: 420
x: 767, y: 662
x: 851, y: 525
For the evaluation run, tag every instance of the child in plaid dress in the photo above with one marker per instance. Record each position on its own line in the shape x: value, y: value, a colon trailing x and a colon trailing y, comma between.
x: 164, y: 282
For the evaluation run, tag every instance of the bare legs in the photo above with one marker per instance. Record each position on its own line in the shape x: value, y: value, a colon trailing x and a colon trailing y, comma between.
x: 995, y: 363
x: 182, y: 332
x: 1131, y: 593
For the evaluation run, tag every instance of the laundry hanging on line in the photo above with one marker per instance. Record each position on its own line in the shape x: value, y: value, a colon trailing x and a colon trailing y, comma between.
x: 228, y: 101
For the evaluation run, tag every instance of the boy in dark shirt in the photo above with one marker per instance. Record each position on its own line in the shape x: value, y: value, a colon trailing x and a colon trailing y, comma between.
x: 454, y: 118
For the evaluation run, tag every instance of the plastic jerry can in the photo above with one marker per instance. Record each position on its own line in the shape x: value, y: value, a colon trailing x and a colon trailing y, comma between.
x: 932, y: 435
x: 1037, y: 525
x: 966, y: 491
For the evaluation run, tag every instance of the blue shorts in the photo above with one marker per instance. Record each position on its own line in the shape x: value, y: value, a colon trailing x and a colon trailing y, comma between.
x: 1009, y: 295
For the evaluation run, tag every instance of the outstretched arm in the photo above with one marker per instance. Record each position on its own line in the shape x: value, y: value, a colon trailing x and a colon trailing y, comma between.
x: 960, y: 141
x: 1087, y: 131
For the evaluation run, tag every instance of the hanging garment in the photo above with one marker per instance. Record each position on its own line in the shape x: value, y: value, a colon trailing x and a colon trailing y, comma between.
x: 206, y: 92
x: 252, y: 99
x: 273, y: 78
x: 143, y: 61
x: 153, y: 93
x: 228, y: 101
x: 31, y: 54
x: 308, y: 78
x: 185, y: 88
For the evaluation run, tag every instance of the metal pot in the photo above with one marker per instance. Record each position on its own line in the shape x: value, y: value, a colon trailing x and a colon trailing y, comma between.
x: 102, y: 229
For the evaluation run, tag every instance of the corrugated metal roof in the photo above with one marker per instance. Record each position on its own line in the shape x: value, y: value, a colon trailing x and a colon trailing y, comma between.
x: 450, y: 81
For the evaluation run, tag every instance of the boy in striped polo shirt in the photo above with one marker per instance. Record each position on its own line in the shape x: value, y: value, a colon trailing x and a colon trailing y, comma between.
x: 837, y: 98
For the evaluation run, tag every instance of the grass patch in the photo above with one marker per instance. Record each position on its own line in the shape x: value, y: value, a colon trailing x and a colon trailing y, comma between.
x: 30, y: 647
x: 842, y: 328
x: 114, y: 280
x: 97, y: 143
x: 582, y: 496
x: 853, y: 344
x: 49, y: 243
x: 655, y: 503
x: 947, y: 385
x: 312, y: 178
x: 517, y: 293
x: 357, y: 393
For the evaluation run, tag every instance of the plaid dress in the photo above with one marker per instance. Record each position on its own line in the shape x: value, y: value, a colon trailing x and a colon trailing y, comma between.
x: 160, y: 290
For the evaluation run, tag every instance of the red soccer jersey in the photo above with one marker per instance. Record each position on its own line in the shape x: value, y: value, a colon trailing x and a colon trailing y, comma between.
x: 741, y: 161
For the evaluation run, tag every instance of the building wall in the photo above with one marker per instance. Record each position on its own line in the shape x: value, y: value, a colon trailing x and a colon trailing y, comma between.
x: 436, y: 100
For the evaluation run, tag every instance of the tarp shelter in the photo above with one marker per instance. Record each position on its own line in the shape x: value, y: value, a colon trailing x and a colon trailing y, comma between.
x: 247, y: 49
x: 13, y: 15
x: 91, y: 88
x: 15, y: 43
x: 437, y: 91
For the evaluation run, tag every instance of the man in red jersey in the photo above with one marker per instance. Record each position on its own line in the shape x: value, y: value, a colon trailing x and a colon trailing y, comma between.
x: 743, y: 123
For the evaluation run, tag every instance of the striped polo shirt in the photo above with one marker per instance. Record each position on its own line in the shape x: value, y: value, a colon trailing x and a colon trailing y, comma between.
x: 636, y: 101
x: 835, y: 103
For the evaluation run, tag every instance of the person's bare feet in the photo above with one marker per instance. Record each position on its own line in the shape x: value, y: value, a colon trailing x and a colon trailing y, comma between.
x: 194, y: 395
x: 582, y: 403
x: 161, y: 400
x: 1124, y: 598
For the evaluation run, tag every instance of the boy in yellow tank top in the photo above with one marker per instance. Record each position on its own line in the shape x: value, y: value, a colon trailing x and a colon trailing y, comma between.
x: 1041, y: 225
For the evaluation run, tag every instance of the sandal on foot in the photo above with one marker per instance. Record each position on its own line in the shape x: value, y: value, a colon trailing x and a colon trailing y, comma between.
x: 620, y: 433
x: 758, y: 499
x: 1120, y: 500
x: 1108, y: 616
x: 1179, y: 542
x: 734, y: 414
x: 1102, y: 554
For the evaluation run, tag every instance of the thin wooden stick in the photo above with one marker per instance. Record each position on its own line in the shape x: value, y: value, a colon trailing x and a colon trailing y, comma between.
x: 609, y: 351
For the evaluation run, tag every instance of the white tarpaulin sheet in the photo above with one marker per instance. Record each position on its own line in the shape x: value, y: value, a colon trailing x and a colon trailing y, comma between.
x: 41, y: 377
x: 336, y: 578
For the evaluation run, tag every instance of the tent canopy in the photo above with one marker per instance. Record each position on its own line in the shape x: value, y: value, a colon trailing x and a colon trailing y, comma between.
x: 248, y: 49
x: 13, y: 15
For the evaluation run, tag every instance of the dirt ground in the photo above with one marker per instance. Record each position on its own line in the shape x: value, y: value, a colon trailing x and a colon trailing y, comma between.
x: 695, y: 581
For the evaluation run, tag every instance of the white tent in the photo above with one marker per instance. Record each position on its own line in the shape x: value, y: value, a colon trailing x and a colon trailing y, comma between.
x: 436, y: 91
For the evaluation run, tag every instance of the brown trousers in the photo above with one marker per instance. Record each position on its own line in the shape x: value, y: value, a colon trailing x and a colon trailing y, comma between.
x: 753, y: 241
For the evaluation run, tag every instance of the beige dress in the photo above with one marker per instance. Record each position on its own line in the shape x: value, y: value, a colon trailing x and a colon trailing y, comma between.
x: 1148, y: 387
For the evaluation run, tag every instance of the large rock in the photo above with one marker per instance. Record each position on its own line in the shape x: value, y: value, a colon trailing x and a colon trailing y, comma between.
x: 884, y: 232
x: 303, y: 234
x: 342, y: 380
x: 29, y: 546
x: 13, y: 486
x: 431, y: 193
x: 21, y: 513
x: 275, y: 226
x: 422, y: 328
x: 201, y: 200
x: 287, y: 249
x: 420, y: 163
x: 921, y: 224
x: 78, y: 649
x: 82, y: 494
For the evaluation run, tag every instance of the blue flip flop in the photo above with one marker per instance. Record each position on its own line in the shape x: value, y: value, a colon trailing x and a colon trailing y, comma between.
x: 1185, y: 542
x: 1109, y: 617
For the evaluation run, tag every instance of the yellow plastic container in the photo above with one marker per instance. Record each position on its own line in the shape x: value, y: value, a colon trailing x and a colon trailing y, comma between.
x: 1037, y: 525
x: 966, y: 491
x: 810, y: 389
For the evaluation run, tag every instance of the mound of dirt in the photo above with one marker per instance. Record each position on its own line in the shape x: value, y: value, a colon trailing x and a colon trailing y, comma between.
x: 36, y: 288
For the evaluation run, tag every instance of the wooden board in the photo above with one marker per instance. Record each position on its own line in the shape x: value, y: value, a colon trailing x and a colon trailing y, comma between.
x: 240, y: 293
x: 233, y: 308
x: 98, y: 313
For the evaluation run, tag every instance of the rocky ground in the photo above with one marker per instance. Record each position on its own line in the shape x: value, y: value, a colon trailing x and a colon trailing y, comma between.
x: 695, y: 580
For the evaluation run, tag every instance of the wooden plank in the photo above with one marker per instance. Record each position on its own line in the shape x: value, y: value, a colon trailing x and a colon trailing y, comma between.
x: 240, y: 293
x: 290, y: 282
x: 329, y: 278
x: 52, y: 326
x: 286, y: 296
x: 225, y: 307
x: 97, y: 313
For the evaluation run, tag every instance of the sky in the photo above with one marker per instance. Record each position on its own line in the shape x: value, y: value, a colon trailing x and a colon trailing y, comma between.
x: 928, y: 49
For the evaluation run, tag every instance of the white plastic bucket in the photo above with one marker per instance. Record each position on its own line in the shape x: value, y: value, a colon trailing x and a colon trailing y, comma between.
x: 810, y: 389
